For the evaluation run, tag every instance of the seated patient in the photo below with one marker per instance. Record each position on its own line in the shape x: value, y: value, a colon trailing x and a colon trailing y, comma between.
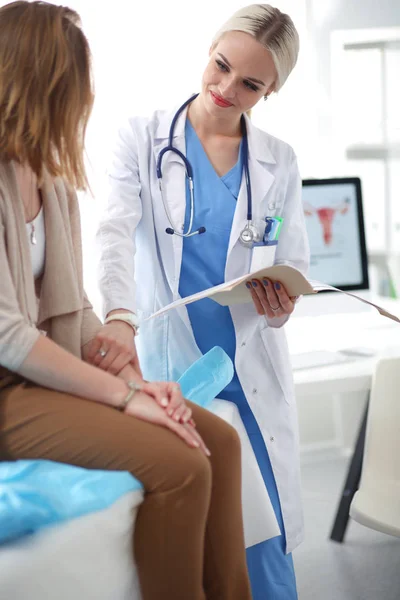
x: 188, y: 541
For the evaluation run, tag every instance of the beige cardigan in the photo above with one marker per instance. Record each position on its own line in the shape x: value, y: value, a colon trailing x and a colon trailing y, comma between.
x: 62, y: 310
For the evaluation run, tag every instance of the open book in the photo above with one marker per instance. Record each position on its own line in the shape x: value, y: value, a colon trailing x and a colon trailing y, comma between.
x: 235, y: 291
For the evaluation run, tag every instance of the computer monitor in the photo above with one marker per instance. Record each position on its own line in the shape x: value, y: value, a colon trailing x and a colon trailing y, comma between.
x: 335, y: 225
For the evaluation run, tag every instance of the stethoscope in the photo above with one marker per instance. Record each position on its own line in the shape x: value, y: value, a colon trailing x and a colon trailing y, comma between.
x: 249, y: 234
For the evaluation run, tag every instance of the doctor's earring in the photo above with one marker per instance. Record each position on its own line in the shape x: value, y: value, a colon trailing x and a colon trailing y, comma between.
x: 265, y: 97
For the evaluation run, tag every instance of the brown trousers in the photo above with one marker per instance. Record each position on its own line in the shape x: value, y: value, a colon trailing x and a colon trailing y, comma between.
x: 188, y: 541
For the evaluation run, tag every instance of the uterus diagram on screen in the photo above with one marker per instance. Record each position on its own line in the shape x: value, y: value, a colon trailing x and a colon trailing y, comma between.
x: 326, y: 216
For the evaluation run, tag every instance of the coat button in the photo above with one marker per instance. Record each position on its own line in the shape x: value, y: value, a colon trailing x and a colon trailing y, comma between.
x: 243, y: 344
x: 271, y: 205
x: 272, y: 439
x: 254, y: 390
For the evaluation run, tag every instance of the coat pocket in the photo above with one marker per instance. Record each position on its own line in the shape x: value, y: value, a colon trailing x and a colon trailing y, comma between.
x: 274, y: 340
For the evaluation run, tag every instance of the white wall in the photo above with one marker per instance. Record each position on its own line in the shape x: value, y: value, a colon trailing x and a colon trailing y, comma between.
x: 327, y: 422
x: 325, y: 17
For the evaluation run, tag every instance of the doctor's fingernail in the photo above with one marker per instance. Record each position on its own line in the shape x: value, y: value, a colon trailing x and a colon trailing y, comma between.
x: 164, y: 402
x: 248, y: 285
x: 277, y: 286
x: 265, y: 282
x: 254, y: 283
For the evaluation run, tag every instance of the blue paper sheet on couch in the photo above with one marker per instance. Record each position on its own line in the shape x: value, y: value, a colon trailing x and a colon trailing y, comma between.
x: 38, y: 493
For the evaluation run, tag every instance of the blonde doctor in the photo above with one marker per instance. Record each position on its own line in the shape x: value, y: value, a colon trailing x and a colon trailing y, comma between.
x: 189, y: 193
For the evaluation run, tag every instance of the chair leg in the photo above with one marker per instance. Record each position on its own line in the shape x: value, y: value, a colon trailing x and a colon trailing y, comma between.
x: 351, y: 485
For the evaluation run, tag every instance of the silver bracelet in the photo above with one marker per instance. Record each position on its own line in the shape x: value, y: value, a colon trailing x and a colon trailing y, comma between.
x: 133, y: 388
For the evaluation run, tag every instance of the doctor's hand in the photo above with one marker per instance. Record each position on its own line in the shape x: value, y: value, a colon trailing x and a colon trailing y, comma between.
x: 271, y: 298
x: 113, y: 348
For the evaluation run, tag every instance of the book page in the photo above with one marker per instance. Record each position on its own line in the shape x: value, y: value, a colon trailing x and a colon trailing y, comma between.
x: 293, y: 280
x: 319, y: 287
x: 235, y: 291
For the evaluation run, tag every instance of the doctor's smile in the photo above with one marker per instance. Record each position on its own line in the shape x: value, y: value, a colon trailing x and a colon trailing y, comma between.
x: 219, y: 101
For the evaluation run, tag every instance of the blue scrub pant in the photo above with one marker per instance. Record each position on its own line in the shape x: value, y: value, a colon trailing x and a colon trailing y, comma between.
x: 271, y: 570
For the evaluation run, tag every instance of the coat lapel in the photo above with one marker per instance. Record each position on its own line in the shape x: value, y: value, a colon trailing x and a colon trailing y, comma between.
x: 173, y: 195
x: 261, y: 180
x: 174, y: 192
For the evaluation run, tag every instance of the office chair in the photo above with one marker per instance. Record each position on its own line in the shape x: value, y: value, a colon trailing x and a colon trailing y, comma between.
x: 377, y: 502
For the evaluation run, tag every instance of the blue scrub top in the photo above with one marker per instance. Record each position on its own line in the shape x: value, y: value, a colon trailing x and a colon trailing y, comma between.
x: 204, y: 256
x: 203, y: 265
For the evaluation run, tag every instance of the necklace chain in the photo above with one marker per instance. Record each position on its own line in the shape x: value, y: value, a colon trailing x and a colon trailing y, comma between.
x: 32, y: 234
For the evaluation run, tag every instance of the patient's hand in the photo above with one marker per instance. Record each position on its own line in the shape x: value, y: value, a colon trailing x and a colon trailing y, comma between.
x: 143, y: 408
x: 167, y: 394
x: 176, y: 408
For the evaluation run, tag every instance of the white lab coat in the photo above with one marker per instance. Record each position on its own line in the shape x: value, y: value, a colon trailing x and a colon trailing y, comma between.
x: 140, y: 268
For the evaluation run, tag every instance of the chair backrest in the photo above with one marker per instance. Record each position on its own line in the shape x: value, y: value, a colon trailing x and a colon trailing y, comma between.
x: 382, y: 444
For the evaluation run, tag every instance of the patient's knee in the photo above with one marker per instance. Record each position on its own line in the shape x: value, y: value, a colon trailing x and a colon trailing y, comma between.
x: 197, y: 466
x: 227, y: 441
x: 190, y: 468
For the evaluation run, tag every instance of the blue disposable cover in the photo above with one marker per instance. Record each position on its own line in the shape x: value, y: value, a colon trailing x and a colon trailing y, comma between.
x: 207, y: 377
x: 37, y: 493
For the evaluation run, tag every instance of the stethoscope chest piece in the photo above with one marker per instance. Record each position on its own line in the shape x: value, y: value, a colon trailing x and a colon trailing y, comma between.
x: 249, y: 235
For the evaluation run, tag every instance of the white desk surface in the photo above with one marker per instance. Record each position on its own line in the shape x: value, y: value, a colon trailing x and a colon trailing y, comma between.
x: 337, y: 332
